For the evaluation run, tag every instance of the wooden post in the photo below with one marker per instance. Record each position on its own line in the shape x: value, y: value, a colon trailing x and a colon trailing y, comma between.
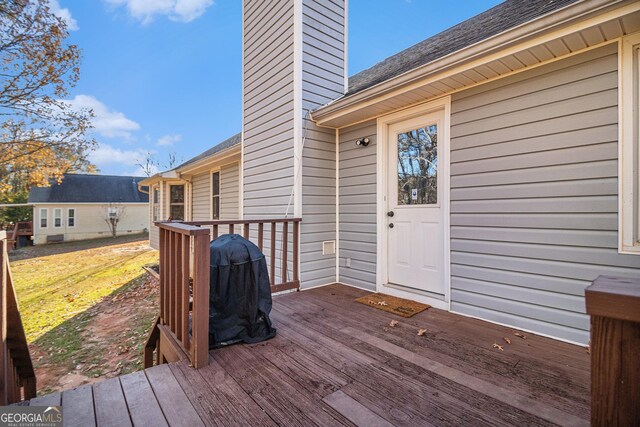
x: 614, y: 306
x: 200, y: 328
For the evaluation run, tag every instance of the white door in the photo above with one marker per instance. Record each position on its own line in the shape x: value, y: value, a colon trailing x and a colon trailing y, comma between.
x: 415, y: 204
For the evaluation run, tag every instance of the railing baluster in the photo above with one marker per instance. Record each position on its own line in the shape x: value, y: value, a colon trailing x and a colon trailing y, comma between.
x: 215, y: 231
x: 285, y: 250
x: 246, y: 231
x: 231, y: 228
x: 260, y: 235
x: 186, y: 247
x: 171, y: 283
x: 296, y: 250
x: 272, y: 259
x: 178, y: 286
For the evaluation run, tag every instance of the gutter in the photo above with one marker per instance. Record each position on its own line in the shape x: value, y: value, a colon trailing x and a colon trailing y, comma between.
x: 544, y: 24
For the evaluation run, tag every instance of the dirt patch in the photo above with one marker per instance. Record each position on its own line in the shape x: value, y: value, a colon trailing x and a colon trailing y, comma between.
x: 102, y: 342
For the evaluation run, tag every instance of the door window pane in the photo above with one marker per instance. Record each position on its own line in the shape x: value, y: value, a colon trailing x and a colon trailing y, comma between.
x: 418, y: 166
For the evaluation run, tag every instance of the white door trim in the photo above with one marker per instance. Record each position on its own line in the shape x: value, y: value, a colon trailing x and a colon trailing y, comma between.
x: 381, y: 204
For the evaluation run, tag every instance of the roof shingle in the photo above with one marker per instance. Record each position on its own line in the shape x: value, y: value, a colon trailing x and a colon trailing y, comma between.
x: 83, y: 188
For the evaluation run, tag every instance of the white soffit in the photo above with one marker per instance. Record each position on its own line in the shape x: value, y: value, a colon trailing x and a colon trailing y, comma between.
x: 480, y: 68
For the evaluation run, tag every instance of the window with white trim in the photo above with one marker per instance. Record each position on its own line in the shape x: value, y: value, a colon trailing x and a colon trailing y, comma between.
x: 629, y: 161
x: 176, y: 202
x: 44, y: 220
x: 71, y: 217
x: 215, y: 195
x: 57, y: 217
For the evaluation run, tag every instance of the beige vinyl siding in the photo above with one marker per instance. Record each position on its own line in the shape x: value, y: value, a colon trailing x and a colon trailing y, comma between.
x: 358, y: 206
x: 323, y: 43
x: 90, y: 221
x: 201, y: 197
x: 229, y: 191
x: 534, y: 194
x: 268, y: 107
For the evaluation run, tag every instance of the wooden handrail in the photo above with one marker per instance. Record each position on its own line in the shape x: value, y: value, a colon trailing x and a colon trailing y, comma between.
x: 17, y: 377
x: 185, y: 260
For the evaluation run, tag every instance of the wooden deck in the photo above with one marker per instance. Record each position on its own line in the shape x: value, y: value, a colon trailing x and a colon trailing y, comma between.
x: 337, y: 362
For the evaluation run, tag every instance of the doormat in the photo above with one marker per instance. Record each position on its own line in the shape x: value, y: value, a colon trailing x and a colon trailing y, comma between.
x: 400, y: 306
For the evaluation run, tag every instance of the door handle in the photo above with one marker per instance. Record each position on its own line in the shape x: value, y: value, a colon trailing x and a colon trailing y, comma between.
x: 390, y: 213
x: 390, y: 225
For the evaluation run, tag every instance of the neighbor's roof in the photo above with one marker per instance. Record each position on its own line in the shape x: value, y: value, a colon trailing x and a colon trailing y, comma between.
x: 227, y: 143
x: 81, y: 188
x: 496, y: 20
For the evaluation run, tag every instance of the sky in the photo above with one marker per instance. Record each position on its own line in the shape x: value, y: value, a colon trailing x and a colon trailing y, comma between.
x: 164, y: 76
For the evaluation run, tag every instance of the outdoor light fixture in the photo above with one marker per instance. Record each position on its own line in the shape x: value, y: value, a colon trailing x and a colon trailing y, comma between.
x: 362, y: 142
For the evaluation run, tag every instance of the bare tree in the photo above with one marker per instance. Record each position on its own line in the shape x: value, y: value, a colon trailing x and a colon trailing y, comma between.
x: 149, y: 165
x: 112, y: 214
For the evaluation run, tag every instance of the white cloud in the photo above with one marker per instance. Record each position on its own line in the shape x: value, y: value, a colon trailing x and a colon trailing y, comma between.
x: 168, y: 140
x: 177, y: 10
x: 106, y: 122
x: 107, y: 155
x: 64, y: 13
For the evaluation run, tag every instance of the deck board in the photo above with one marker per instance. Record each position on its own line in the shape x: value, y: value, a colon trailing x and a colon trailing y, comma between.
x: 337, y: 362
x: 111, y: 407
x: 78, y: 407
x: 141, y: 401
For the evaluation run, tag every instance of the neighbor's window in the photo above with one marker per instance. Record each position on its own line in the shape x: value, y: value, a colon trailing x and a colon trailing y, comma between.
x: 71, y: 217
x: 176, y: 202
x: 57, y: 217
x: 629, y: 233
x: 43, y: 218
x: 215, y: 195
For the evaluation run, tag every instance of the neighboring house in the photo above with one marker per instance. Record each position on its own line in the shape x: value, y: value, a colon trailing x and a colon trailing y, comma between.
x: 79, y: 207
x: 490, y: 170
x: 206, y: 187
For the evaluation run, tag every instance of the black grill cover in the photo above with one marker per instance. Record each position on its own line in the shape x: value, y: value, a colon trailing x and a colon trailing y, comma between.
x: 240, y: 294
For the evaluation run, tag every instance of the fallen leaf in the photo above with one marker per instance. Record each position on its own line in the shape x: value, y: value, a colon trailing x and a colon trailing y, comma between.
x: 421, y: 332
x: 519, y: 335
x: 383, y: 303
x: 507, y: 340
x: 393, y: 323
x: 587, y: 349
x: 386, y: 329
x: 498, y: 346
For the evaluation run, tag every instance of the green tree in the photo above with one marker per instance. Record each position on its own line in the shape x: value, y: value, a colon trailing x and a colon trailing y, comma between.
x: 41, y: 135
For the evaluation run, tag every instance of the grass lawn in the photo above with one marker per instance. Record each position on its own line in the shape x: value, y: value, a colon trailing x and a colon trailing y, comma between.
x: 86, y: 307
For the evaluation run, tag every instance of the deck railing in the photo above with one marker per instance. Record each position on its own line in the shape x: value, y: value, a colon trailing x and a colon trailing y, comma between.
x: 21, y: 228
x: 182, y: 329
x: 17, y: 377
